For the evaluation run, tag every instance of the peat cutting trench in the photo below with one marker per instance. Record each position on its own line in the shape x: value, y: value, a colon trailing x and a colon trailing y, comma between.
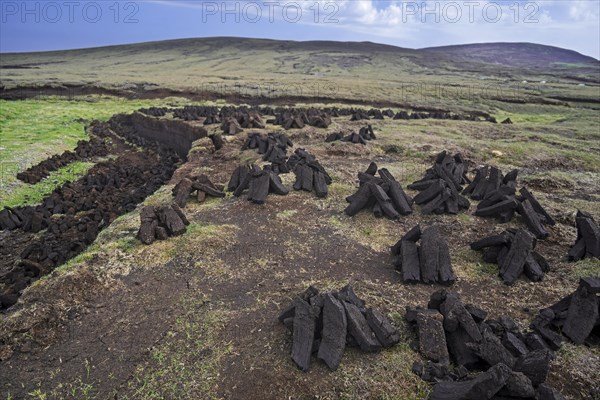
x: 293, y: 226
x: 142, y: 156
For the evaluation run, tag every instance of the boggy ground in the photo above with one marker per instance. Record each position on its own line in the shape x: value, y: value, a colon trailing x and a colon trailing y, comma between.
x: 195, y: 316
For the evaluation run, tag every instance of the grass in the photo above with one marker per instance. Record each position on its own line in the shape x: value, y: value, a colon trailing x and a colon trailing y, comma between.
x: 586, y: 267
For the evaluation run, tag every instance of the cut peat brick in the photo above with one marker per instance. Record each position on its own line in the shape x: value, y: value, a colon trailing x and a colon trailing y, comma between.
x: 537, y: 206
x: 482, y: 387
x: 310, y: 174
x: 182, y: 191
x: 304, y: 333
x: 512, y: 265
x: 491, y: 350
x: 383, y: 195
x: 532, y: 219
x: 429, y: 263
x: 576, y: 315
x: 587, y: 244
x: 410, y: 266
x: 385, y: 332
x: 440, y: 187
x: 582, y: 315
x: 161, y: 222
x: 535, y: 365
x: 429, y: 256
x: 360, y: 330
x: 514, y: 253
x: 412, y: 235
x: 432, y: 338
x: 333, y: 337
x: 326, y: 323
x: 259, y: 183
x: 203, y: 187
x: 517, y: 365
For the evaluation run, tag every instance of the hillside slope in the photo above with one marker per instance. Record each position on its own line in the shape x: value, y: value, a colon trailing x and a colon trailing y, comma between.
x: 263, y: 67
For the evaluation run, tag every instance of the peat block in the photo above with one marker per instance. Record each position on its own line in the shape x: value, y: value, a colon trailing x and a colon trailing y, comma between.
x: 383, y: 195
x: 587, y: 244
x: 440, y: 187
x: 259, y: 183
x: 428, y: 263
x: 575, y: 316
x: 514, y: 252
x: 330, y: 321
x: 161, y: 222
x: 310, y: 174
x: 514, y: 367
x: 201, y: 185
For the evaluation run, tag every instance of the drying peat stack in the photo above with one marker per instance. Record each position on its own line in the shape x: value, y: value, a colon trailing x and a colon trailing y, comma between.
x: 231, y: 126
x: 577, y: 316
x: 273, y: 148
x: 200, y: 184
x: 194, y: 113
x: 499, y: 199
x: 326, y: 322
x: 428, y: 263
x: 516, y: 365
x: 238, y: 121
x: 375, y: 113
x: 84, y: 150
x: 155, y: 111
x: 513, y: 251
x: 473, y: 116
x: 161, y: 223
x: 359, y: 115
x: 587, y: 244
x: 440, y: 187
x: 299, y: 118
x: 310, y: 174
x: 383, y: 195
x: 364, y: 135
x: 258, y: 182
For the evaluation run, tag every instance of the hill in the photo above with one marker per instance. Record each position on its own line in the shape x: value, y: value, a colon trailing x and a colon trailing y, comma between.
x: 270, y: 68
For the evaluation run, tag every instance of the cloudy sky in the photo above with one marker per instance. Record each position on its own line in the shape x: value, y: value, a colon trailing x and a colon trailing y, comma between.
x: 51, y: 25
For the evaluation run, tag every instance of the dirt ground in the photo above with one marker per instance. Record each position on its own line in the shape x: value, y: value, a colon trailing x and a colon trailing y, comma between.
x: 195, y: 317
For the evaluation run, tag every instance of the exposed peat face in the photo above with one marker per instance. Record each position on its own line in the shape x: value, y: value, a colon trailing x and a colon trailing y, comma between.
x: 144, y: 153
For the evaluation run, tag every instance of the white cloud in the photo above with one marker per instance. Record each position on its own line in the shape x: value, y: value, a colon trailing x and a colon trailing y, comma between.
x: 584, y: 10
x: 571, y: 24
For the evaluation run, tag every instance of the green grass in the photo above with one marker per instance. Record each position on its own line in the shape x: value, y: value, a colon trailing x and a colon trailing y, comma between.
x: 585, y: 268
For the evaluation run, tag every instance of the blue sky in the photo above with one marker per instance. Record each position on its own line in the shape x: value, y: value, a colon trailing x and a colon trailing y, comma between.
x: 51, y: 25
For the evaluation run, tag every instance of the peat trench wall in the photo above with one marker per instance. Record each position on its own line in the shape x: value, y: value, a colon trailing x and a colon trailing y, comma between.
x: 37, y: 239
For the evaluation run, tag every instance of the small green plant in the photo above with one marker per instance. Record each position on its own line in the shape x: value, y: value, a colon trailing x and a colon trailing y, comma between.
x: 38, y: 394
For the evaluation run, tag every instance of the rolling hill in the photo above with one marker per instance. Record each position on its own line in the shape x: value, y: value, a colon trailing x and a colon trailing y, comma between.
x: 264, y: 68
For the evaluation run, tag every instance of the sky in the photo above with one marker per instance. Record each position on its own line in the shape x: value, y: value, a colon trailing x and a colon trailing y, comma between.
x: 54, y: 25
